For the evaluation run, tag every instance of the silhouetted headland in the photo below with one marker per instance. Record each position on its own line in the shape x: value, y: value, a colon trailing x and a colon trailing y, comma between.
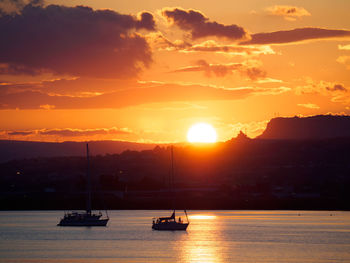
x: 307, y: 128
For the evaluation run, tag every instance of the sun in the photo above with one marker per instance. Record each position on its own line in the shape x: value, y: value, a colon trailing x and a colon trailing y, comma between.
x: 201, y: 133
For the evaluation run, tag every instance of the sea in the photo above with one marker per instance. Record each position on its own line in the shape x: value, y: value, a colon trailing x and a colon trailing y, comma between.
x: 212, y: 236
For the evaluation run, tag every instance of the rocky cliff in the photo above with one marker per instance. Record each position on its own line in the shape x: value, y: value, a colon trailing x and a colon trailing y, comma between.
x: 315, y: 127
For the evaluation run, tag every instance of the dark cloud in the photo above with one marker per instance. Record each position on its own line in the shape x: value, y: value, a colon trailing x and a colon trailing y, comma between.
x: 221, y: 70
x: 200, y: 26
x: 13, y: 69
x: 20, y: 133
x: 337, y: 87
x: 78, y: 41
x: 146, y: 21
x: 295, y: 35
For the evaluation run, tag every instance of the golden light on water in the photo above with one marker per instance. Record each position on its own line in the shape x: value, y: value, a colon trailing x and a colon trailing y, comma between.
x: 201, y: 133
x: 204, y: 241
x: 202, y: 217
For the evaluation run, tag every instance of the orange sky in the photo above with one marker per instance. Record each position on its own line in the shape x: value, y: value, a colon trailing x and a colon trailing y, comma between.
x: 146, y: 71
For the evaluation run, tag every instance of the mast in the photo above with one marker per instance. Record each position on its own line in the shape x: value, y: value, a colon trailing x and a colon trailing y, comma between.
x: 88, y: 185
x: 171, y: 179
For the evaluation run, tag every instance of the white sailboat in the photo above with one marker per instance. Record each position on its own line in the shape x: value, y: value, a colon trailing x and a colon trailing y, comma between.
x: 86, y: 218
x: 170, y: 223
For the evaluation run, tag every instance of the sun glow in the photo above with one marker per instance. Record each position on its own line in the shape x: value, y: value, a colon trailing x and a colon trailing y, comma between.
x: 201, y: 133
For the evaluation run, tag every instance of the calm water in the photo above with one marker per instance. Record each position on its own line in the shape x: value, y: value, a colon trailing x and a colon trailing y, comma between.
x: 213, y: 236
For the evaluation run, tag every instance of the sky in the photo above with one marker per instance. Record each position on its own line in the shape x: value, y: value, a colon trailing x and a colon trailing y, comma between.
x: 145, y: 71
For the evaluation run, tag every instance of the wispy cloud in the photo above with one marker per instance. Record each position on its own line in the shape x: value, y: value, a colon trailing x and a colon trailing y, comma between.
x: 337, y: 92
x: 63, y: 134
x: 323, y: 88
x: 20, y: 133
x: 296, y: 35
x: 269, y: 80
x: 221, y: 70
x: 271, y: 91
x: 160, y: 42
x: 148, y: 93
x: 344, y: 47
x: 290, y: 13
x: 345, y: 60
x: 83, y: 132
x: 47, y: 107
x: 235, y: 50
x: 309, y: 105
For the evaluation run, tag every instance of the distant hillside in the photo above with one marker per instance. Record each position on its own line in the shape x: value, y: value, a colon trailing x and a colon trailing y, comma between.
x: 25, y: 149
x: 315, y: 127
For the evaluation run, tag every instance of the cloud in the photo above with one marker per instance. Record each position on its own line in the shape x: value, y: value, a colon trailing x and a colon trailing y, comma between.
x: 148, y: 93
x: 337, y: 87
x: 145, y: 21
x: 83, y: 87
x: 269, y: 80
x: 178, y: 106
x: 20, y: 133
x: 344, y: 60
x: 335, y: 91
x: 15, y: 6
x: 199, y: 25
x: 77, y: 41
x: 160, y: 42
x: 64, y: 134
x: 309, y: 106
x: 255, y: 73
x: 271, y: 91
x: 295, y: 35
x: 13, y: 69
x: 47, y: 107
x: 323, y: 88
x: 290, y: 13
x: 213, y: 46
x: 83, y: 132
x: 344, y: 47
x: 221, y: 70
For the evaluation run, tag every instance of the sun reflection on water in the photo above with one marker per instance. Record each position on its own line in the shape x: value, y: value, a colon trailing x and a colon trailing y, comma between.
x: 202, y: 217
x: 203, y: 244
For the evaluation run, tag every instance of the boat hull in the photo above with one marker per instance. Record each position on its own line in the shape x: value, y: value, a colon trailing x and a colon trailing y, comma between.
x: 98, y: 222
x: 171, y: 226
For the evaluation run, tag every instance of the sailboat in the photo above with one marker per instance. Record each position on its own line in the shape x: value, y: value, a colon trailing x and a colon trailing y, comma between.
x: 170, y: 223
x: 86, y: 218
